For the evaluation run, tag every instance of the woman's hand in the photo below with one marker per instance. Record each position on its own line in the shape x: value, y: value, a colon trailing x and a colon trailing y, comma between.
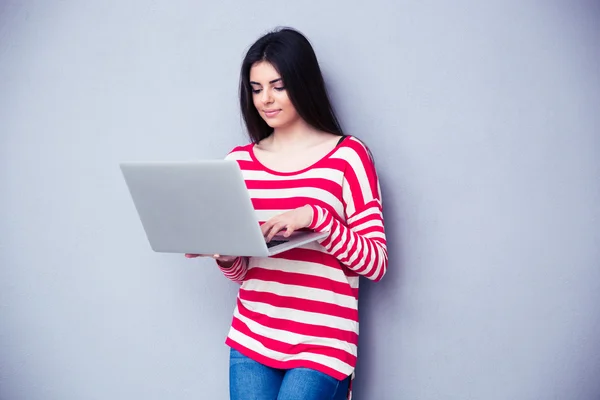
x: 289, y: 221
x: 216, y: 257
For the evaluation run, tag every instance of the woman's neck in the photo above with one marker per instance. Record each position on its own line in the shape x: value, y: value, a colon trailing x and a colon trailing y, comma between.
x: 296, y: 136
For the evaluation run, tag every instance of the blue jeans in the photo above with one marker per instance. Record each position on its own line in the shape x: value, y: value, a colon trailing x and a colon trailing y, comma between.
x: 250, y: 380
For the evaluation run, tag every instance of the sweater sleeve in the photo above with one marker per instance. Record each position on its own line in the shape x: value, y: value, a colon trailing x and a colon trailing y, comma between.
x: 237, y: 272
x: 360, y: 243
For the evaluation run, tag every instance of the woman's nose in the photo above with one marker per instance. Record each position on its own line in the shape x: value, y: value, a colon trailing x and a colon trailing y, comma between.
x: 266, y: 97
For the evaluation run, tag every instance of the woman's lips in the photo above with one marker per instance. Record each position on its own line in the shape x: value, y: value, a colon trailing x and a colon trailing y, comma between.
x: 271, y: 113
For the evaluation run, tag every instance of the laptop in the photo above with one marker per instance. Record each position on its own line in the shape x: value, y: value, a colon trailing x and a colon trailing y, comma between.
x: 201, y: 207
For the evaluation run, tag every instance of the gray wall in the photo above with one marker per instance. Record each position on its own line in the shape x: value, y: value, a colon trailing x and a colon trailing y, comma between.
x: 483, y: 117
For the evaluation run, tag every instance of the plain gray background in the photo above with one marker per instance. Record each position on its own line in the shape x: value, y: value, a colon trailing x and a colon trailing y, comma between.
x: 484, y: 121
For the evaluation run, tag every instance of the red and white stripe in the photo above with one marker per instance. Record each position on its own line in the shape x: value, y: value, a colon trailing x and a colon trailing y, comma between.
x: 300, y: 308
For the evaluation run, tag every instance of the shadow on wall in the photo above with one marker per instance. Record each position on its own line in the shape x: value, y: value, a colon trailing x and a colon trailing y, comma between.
x: 385, y: 294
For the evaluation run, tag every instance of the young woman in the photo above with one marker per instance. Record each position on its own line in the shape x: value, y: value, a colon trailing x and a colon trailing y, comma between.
x: 294, y: 332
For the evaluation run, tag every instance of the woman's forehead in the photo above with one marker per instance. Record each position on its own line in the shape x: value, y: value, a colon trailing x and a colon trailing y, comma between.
x: 263, y: 71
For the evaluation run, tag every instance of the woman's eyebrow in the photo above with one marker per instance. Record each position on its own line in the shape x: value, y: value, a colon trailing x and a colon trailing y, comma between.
x: 271, y: 82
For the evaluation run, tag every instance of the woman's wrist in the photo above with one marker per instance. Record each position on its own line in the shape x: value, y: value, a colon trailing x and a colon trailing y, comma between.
x: 311, y: 211
x: 225, y: 264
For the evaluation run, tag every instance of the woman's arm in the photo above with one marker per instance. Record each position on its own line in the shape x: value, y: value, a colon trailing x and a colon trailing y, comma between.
x: 235, y: 269
x: 360, y: 244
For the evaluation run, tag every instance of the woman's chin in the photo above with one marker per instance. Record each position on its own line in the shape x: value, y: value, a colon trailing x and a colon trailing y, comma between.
x: 273, y: 124
x: 279, y: 124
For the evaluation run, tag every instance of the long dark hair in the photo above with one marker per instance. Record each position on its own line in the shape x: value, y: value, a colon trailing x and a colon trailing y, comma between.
x: 292, y: 55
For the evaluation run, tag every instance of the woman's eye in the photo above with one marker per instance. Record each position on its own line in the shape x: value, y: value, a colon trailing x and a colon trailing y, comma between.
x: 256, y: 91
x: 279, y: 89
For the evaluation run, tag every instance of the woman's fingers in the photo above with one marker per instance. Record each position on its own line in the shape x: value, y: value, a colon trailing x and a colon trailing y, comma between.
x: 278, y: 227
x: 266, y: 227
x: 216, y: 257
x: 287, y: 221
x: 288, y: 231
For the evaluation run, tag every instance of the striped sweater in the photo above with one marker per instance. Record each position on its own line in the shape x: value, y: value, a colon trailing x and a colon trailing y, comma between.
x: 300, y: 308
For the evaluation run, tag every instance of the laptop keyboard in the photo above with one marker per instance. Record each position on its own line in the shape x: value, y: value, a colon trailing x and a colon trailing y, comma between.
x: 275, y: 242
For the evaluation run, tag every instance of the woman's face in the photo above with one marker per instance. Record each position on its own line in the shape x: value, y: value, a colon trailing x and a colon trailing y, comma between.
x: 270, y: 96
